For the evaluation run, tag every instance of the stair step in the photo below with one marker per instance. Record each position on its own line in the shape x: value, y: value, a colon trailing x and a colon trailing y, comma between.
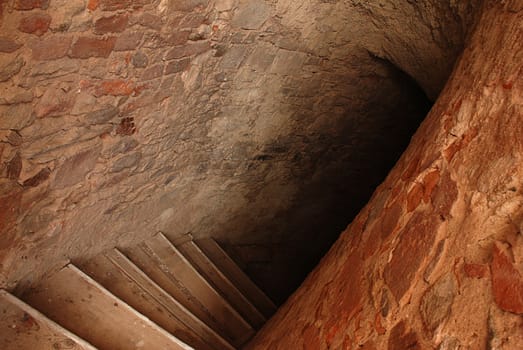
x: 23, y: 327
x: 115, y: 272
x: 221, y: 283
x: 164, y: 264
x: 231, y: 270
x: 76, y: 301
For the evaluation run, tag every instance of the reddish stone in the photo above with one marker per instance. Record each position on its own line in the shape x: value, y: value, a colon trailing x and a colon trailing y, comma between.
x: 414, y: 197
x: 414, y: 244
x: 93, y: 4
x: 37, y: 24
x: 378, y: 326
x: 126, y: 127
x: 52, y: 48
x: 14, y: 167
x: 311, y: 338
x: 9, y: 211
x: 112, y: 24
x: 402, y: 339
x: 128, y: 41
x: 390, y: 218
x: 411, y: 169
x: 86, y: 47
x: 348, y: 297
x: 7, y: 45
x: 475, y: 270
x: 54, y: 102
x: 151, y: 21
x: 177, y: 66
x: 444, y: 195
x: 116, y: 87
x: 31, y: 4
x: 112, y: 5
x: 429, y: 183
x: 36, y: 180
x: 507, y: 282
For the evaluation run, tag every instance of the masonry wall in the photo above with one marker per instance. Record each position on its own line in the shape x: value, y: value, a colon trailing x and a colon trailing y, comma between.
x: 249, y: 121
x: 435, y: 260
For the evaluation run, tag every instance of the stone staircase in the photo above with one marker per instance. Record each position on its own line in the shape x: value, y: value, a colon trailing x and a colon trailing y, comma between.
x: 157, y: 295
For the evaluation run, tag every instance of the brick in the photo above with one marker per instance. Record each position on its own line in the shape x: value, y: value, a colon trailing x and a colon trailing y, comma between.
x: 111, y: 24
x: 128, y: 41
x: 51, y: 48
x: 86, y: 47
x: 8, y: 45
x: 37, y: 24
x: 177, y: 66
x: 31, y: 4
x: 507, y: 282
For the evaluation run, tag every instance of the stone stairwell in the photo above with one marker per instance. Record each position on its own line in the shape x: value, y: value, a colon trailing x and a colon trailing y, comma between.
x: 157, y: 295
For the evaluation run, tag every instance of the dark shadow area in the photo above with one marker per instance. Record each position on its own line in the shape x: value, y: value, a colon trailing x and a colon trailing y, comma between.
x: 337, y: 173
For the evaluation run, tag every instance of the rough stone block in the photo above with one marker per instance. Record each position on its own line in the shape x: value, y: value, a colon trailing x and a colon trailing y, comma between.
x: 86, y: 47
x: 152, y: 72
x: 437, y: 302
x: 507, y: 281
x: 8, y: 45
x: 111, y: 24
x: 413, y: 246
x: 139, y: 60
x: 113, y: 5
x: 52, y: 48
x: 128, y: 41
x: 177, y: 66
x: 37, y: 24
x: 75, y: 169
x: 11, y: 68
x: 252, y: 15
x: 31, y: 4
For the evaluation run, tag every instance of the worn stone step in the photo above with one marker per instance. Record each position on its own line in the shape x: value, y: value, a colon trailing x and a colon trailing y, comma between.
x: 221, y: 283
x: 80, y: 304
x: 23, y: 327
x: 164, y: 264
x: 231, y: 270
x: 114, y: 271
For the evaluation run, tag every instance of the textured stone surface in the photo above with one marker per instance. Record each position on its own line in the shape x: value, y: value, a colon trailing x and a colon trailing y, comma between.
x: 266, y: 124
x: 439, y: 245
